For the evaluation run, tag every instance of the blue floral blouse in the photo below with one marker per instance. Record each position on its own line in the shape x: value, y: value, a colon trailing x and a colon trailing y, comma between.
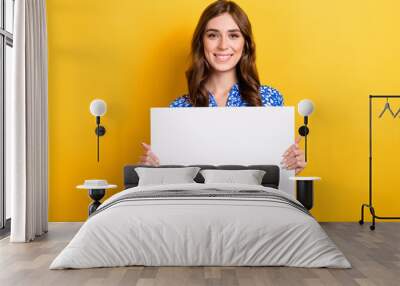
x: 269, y: 97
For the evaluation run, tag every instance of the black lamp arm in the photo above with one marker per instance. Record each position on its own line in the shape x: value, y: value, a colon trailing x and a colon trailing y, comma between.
x: 100, y: 131
x: 303, y: 131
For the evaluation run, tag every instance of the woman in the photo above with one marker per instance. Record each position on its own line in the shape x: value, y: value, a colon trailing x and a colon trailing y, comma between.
x: 223, y: 72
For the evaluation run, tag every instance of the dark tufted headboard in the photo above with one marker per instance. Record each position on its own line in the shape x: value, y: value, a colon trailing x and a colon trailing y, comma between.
x: 270, y: 179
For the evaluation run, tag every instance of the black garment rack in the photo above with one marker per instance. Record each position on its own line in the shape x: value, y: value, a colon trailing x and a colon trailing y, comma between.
x: 370, y: 205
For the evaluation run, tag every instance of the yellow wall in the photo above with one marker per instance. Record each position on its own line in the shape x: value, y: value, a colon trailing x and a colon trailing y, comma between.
x: 133, y: 54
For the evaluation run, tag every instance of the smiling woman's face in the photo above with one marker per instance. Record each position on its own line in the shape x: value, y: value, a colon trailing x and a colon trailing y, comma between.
x: 223, y: 43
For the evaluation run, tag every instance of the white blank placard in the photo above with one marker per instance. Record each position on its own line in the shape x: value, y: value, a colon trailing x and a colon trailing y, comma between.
x: 220, y: 136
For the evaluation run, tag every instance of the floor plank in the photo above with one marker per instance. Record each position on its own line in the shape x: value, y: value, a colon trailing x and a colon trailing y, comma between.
x: 375, y: 257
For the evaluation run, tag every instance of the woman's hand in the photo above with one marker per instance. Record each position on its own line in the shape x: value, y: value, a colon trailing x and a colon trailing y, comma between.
x: 149, y: 158
x: 294, y: 158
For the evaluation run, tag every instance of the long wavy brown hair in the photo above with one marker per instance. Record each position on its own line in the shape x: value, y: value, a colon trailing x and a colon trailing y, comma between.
x: 246, y: 70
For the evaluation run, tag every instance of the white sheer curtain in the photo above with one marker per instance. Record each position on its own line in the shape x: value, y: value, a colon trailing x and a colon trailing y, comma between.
x: 26, y: 124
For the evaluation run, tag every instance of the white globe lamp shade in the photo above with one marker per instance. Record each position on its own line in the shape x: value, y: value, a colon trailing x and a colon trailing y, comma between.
x: 305, y: 107
x: 98, y: 107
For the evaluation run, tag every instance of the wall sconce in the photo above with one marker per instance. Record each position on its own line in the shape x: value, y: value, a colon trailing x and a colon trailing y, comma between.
x: 98, y: 108
x: 305, y: 108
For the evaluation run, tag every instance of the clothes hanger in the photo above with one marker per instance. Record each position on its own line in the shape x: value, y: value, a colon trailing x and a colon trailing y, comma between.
x: 387, y: 107
x: 398, y: 112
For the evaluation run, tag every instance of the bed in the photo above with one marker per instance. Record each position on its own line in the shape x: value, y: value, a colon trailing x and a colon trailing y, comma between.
x: 201, y: 224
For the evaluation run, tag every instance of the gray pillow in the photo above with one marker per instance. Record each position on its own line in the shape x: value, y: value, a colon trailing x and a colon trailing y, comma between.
x: 165, y: 176
x: 248, y: 177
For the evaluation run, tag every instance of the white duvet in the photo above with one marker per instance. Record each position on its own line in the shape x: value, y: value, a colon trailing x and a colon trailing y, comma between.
x: 200, y: 231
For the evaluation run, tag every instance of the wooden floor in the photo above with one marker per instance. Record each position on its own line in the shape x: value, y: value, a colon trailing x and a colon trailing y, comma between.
x: 375, y: 257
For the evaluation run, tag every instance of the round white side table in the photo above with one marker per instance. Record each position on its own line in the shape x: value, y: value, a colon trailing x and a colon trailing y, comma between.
x: 97, y: 190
